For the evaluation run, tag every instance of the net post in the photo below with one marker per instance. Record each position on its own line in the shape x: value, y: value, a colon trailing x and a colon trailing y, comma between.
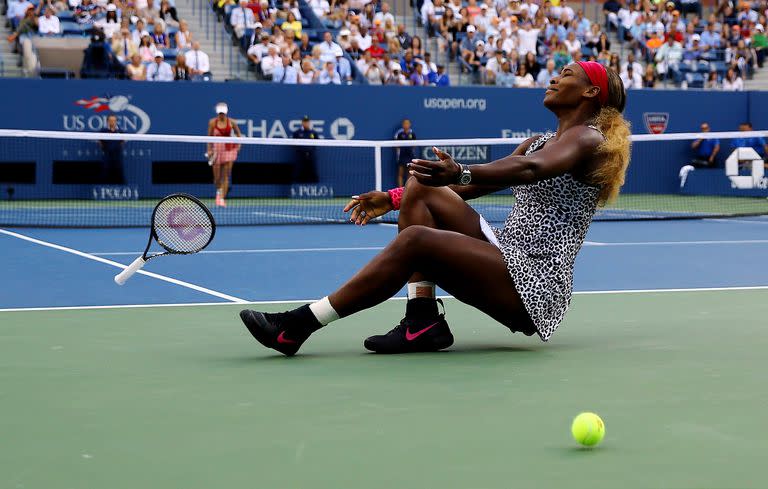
x: 377, y: 166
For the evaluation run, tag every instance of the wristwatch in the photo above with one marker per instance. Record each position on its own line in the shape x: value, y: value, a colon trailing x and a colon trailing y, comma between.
x: 465, y: 176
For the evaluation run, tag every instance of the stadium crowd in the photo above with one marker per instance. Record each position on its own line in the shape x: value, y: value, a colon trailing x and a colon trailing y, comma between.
x: 510, y: 43
x: 130, y: 39
x: 669, y: 41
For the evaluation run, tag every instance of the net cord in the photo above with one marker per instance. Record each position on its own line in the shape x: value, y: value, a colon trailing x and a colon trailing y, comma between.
x: 348, y: 143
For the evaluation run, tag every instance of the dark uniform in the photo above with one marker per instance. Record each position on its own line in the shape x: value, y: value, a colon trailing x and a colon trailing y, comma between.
x: 304, y: 171
x: 406, y: 153
x: 112, y: 162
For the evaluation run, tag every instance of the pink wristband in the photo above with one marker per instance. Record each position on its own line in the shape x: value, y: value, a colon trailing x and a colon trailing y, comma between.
x: 395, y: 195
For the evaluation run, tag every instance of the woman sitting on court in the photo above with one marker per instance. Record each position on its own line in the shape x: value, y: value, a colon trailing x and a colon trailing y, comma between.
x: 521, y: 275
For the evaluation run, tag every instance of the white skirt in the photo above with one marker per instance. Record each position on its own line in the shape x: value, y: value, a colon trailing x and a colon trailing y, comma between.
x: 488, y: 232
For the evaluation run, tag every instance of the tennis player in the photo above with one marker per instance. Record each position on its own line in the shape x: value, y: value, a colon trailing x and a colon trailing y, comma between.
x: 224, y: 154
x: 521, y: 275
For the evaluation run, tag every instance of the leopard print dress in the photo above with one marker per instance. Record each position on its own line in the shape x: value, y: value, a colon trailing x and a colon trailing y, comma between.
x: 540, y: 240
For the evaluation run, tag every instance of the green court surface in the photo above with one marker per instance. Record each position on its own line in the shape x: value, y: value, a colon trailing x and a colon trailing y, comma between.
x: 183, y: 397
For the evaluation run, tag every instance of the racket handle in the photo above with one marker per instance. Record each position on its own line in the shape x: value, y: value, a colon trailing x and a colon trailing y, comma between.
x: 134, y: 267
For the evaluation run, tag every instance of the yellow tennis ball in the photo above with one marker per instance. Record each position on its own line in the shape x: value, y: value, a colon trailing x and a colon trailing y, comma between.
x: 588, y: 429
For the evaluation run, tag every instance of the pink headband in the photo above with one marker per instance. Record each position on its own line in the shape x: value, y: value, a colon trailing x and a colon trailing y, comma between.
x: 598, y: 76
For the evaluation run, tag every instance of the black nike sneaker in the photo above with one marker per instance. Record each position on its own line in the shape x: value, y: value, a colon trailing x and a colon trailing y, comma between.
x: 421, y: 330
x: 284, y: 331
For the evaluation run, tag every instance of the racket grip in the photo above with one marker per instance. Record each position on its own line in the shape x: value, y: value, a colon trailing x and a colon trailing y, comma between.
x: 134, y: 267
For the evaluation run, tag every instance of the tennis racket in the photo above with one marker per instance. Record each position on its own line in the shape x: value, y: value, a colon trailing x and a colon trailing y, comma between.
x: 181, y: 225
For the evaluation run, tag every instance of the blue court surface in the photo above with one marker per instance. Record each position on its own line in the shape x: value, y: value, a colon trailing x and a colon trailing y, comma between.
x: 666, y: 341
x: 74, y: 267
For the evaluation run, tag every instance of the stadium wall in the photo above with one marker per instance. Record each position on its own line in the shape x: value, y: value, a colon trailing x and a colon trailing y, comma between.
x: 358, y: 112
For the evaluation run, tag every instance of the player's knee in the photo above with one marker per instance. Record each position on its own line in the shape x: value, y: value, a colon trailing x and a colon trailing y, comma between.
x: 414, y: 238
x: 415, y: 191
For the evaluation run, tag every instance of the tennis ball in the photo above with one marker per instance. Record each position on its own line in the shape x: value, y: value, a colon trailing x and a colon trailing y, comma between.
x: 588, y: 429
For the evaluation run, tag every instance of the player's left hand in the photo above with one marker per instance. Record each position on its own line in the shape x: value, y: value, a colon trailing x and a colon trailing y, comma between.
x: 444, y: 171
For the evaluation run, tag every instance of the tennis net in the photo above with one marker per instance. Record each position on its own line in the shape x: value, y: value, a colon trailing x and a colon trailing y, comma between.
x: 67, y: 179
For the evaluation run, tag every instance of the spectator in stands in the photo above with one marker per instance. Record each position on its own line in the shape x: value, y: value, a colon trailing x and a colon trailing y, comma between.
x: 285, y: 72
x: 632, y: 61
x: 305, y: 47
x: 139, y: 32
x: 168, y: 14
x: 668, y: 57
x: 532, y: 65
x: 627, y: 16
x: 183, y: 36
x: 293, y: 24
x: 396, y: 76
x: 257, y: 51
x: 383, y: 15
x: 417, y: 47
x: 159, y: 70
x: 136, y: 70
x: 745, y: 58
x: 527, y: 37
x: 150, y: 13
x: 147, y: 49
x: 418, y: 78
x: 85, y: 12
x: 546, y: 75
x: 321, y: 8
x: 732, y: 81
x: 631, y: 78
x: 712, y: 82
x: 374, y: 74
x: 160, y: 39
x: 198, y: 62
x: 441, y: 78
x: 344, y: 69
x: 307, y: 73
x: 430, y: 68
x: 270, y: 62
x: 403, y: 37
x: 329, y: 75
x: 27, y: 26
x: 649, y: 78
x: 17, y: 11
x: 112, y: 154
x: 493, y: 67
x: 343, y: 39
x: 759, y: 44
x: 48, y: 24
x: 123, y: 46
x: 110, y: 23
x: 329, y: 50
x: 181, y: 71
x: 241, y: 18
x: 505, y: 77
x: 523, y: 78
x: 404, y: 154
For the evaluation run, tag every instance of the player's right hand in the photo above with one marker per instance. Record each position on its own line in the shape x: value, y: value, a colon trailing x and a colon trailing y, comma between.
x: 368, y: 206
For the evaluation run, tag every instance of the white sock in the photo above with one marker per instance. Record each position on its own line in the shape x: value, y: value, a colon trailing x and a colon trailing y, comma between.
x: 324, y: 311
x: 421, y: 289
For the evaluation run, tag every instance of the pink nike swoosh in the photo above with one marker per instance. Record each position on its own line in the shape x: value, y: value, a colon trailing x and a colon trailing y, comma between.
x: 282, y: 339
x: 412, y: 336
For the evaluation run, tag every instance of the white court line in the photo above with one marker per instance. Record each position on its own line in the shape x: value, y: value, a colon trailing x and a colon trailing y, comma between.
x: 259, y: 250
x: 676, y: 243
x: 378, y: 248
x: 739, y: 221
x: 304, y: 301
x: 121, y: 266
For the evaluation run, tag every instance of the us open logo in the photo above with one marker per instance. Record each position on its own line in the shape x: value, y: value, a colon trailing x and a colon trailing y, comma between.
x: 130, y: 118
x: 656, y: 122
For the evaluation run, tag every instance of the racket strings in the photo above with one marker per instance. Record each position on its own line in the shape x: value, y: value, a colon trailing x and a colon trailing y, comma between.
x: 182, y: 225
